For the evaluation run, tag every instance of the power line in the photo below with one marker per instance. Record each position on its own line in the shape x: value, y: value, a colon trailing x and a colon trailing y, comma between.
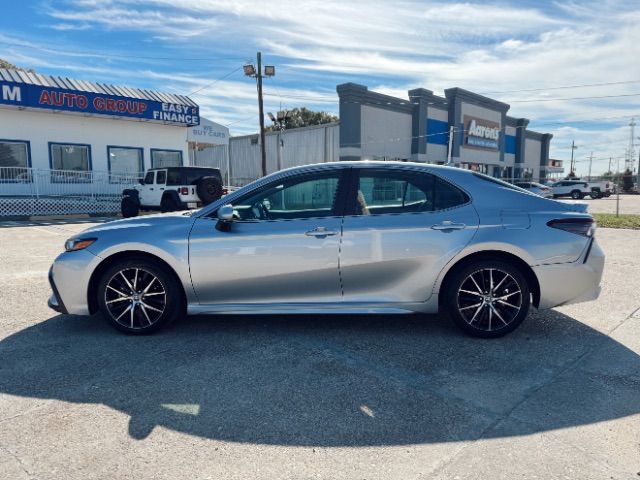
x: 216, y: 81
x: 574, y: 98
x: 110, y: 55
x: 563, y: 87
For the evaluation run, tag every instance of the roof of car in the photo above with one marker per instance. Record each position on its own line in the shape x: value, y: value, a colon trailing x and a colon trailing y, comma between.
x: 183, y: 167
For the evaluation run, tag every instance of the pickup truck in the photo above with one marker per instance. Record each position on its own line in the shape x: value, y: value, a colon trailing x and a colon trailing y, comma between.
x: 601, y: 189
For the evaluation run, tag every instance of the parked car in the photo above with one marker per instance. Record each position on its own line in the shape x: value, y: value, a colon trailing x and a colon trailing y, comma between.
x: 537, y: 188
x: 340, y: 237
x: 171, y: 189
x: 576, y: 189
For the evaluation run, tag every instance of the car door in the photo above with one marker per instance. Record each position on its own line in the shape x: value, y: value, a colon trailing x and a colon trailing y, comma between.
x: 281, y: 248
x: 401, y: 229
x: 146, y: 190
x: 159, y: 186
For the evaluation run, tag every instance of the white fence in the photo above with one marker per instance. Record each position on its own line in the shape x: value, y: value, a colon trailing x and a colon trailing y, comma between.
x: 30, y: 191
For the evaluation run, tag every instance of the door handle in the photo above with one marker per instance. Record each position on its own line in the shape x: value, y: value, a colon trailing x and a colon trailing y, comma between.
x: 151, y: 188
x: 448, y: 225
x: 320, y: 232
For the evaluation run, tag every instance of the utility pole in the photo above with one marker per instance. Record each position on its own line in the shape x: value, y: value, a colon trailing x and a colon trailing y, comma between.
x: 263, y: 147
x: 269, y: 71
x: 590, y: 163
x: 450, y: 145
x: 632, y: 152
x: 572, y: 169
x: 618, y: 186
x: 609, y: 171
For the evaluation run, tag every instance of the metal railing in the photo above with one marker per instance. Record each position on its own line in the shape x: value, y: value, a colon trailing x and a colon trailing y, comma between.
x: 31, y: 191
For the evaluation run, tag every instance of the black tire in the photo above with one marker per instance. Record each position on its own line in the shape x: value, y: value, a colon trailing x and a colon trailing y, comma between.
x: 595, y: 194
x: 209, y: 189
x: 473, y: 313
x: 607, y: 194
x: 152, y: 310
x: 576, y: 195
x: 129, y: 207
x: 168, y: 204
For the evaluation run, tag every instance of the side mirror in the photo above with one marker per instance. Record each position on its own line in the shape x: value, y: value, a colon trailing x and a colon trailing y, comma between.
x: 141, y: 181
x: 225, y: 217
x: 225, y: 213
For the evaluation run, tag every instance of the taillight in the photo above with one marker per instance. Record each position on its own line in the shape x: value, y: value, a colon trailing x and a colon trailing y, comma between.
x: 184, y: 191
x: 580, y: 226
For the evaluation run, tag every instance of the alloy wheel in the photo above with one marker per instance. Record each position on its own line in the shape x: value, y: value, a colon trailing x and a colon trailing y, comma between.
x: 135, y: 298
x: 489, y: 299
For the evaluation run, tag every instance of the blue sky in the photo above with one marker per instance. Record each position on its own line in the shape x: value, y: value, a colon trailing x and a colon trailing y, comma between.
x: 523, y: 53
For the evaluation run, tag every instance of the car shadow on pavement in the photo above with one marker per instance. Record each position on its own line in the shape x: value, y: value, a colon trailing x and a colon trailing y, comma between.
x: 329, y: 380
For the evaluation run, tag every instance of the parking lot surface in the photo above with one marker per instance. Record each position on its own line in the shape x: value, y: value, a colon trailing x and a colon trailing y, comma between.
x: 629, y: 204
x: 316, y: 396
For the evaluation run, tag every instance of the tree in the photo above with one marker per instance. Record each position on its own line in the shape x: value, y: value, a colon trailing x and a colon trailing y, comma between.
x: 627, y: 181
x: 303, y: 117
x: 5, y: 64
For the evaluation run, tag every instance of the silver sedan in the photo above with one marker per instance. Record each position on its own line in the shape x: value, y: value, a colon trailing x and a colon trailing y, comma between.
x: 366, y: 237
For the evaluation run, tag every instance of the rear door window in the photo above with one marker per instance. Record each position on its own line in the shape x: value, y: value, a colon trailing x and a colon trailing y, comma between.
x: 161, y: 177
x: 386, y: 191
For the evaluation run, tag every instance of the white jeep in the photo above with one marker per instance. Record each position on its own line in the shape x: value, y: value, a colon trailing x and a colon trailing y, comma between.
x: 173, y: 188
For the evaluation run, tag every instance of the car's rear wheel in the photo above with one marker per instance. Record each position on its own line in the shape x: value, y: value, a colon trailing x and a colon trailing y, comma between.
x: 487, y: 299
x: 139, y: 296
x: 129, y: 207
x: 168, y: 204
x: 576, y: 195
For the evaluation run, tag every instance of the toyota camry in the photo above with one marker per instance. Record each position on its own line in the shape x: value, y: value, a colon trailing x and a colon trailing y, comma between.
x: 347, y: 237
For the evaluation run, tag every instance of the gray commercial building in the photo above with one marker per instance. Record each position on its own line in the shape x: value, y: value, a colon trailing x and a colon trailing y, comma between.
x: 377, y: 126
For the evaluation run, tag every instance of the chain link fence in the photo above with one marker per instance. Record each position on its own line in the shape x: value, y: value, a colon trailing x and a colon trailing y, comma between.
x: 30, y: 191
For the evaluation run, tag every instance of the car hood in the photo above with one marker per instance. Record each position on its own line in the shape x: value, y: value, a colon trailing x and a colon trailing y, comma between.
x: 145, y: 221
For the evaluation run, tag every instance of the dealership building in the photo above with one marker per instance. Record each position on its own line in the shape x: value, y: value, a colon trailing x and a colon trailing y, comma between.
x: 63, y: 139
x: 462, y: 128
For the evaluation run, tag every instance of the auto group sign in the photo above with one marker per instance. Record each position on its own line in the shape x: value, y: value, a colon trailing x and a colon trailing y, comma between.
x: 481, y: 133
x: 49, y: 98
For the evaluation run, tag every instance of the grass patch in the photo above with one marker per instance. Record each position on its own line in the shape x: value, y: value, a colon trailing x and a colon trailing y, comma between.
x: 609, y: 220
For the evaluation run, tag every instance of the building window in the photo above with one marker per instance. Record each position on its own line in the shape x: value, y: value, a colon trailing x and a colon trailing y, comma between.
x: 14, y: 161
x: 166, y: 158
x: 125, y: 163
x: 72, y: 162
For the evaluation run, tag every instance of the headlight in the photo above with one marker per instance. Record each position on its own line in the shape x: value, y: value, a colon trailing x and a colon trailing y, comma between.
x: 74, y: 244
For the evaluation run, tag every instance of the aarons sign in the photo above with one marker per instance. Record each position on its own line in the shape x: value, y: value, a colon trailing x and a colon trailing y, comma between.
x: 481, y: 133
x: 49, y: 98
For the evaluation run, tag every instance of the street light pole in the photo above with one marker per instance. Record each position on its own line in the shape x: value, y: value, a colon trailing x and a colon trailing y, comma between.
x: 269, y: 71
x: 572, y: 169
x: 263, y: 147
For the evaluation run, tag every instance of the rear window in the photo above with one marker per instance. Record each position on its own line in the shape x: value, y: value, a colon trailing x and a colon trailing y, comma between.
x: 192, y: 175
x: 497, y: 181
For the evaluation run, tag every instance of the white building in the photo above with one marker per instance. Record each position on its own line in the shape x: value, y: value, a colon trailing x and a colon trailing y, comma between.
x: 62, y: 137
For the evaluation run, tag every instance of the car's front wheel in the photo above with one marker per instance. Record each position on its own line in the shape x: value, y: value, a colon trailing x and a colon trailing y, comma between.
x: 488, y: 298
x: 576, y: 195
x: 139, y: 296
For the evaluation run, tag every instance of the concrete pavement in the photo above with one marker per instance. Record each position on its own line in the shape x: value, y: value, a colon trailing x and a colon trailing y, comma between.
x: 316, y: 396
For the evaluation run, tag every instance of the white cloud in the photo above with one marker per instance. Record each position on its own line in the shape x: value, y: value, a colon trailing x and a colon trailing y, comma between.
x: 394, y: 46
